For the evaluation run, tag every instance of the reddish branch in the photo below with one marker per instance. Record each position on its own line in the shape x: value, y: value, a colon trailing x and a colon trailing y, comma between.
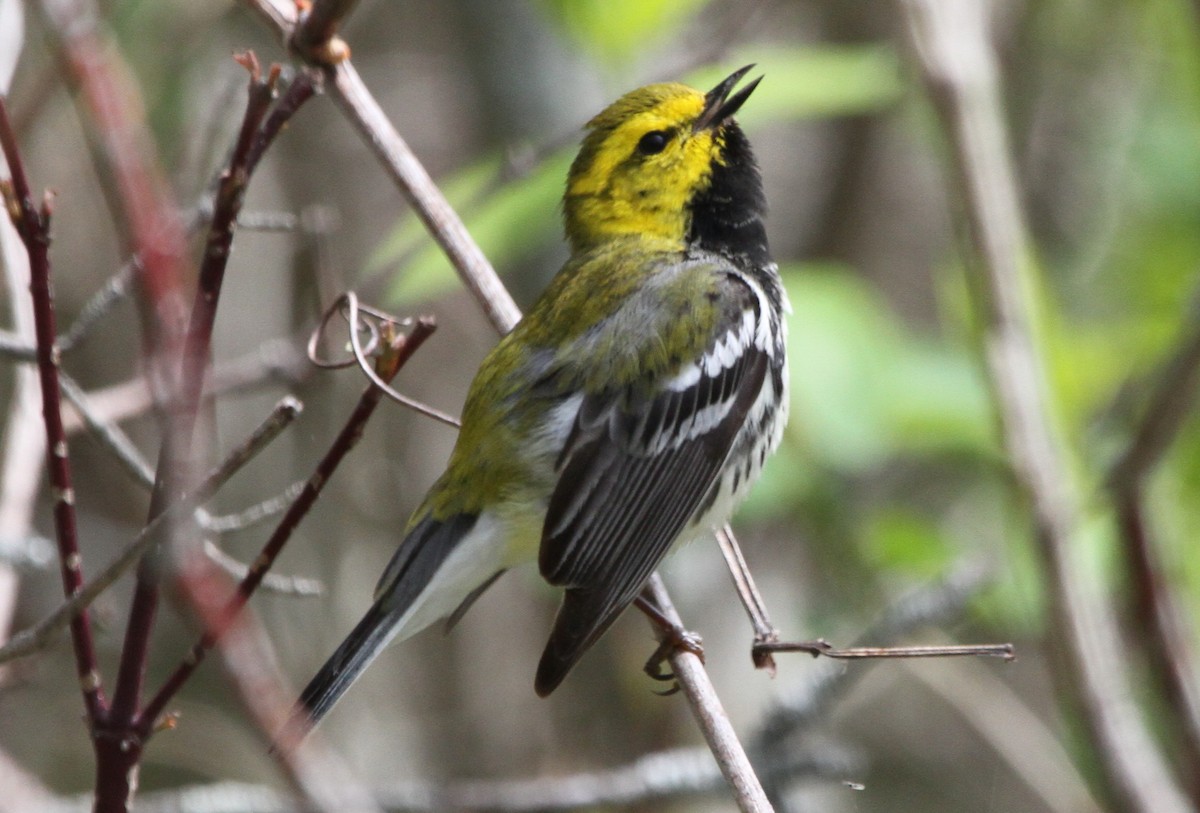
x: 219, y: 619
x: 158, y: 241
x: 177, y: 446
x: 147, y: 213
x: 33, y: 225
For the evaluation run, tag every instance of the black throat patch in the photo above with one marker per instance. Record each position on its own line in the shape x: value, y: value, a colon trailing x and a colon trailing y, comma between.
x: 727, y: 217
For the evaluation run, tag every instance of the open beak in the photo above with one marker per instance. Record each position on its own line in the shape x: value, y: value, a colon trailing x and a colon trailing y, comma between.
x: 719, y: 105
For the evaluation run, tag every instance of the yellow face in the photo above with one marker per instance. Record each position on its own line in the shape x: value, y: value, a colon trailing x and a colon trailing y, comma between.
x: 640, y: 165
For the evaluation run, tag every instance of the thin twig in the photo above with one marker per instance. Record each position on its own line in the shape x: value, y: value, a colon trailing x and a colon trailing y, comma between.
x: 108, y: 434
x: 300, y: 586
x: 101, y: 302
x: 1165, y: 636
x: 958, y: 65
x: 253, y: 139
x: 41, y: 634
x: 33, y: 225
x: 113, y: 103
x: 112, y: 438
x: 1171, y: 400
x: 252, y: 515
x: 821, y: 647
x: 794, y: 709
x: 359, y: 318
x: 747, y: 590
x: 153, y: 232
x: 274, y: 361
x: 219, y: 619
x: 14, y: 348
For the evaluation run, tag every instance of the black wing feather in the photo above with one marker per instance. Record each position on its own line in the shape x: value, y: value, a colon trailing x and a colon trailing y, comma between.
x: 619, y: 504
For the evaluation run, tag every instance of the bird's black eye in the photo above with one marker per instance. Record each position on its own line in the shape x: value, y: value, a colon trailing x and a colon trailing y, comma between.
x: 653, y: 142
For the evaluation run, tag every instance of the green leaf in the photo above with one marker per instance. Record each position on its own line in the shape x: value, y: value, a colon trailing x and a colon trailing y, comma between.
x: 617, y: 29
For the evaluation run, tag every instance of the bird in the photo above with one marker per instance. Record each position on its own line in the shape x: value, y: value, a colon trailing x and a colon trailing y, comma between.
x: 628, y: 412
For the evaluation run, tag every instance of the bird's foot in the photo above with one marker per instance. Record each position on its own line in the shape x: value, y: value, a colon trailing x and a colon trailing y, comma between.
x: 674, y: 639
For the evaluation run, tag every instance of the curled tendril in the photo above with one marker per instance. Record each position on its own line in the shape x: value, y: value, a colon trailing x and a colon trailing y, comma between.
x: 364, y: 319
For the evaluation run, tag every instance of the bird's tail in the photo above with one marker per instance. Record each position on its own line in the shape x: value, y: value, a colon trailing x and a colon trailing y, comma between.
x: 364, y: 643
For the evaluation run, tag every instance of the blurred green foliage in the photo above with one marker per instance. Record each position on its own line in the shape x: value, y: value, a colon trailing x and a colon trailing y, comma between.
x: 616, y: 29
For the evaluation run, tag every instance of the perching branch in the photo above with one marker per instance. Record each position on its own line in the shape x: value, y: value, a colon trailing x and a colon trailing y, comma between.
x: 958, y: 67
x: 710, y: 714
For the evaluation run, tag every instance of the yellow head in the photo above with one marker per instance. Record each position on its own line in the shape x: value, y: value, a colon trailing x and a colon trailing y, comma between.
x: 648, y: 162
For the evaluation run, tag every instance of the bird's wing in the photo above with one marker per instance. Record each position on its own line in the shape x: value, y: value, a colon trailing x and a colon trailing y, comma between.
x: 639, y: 463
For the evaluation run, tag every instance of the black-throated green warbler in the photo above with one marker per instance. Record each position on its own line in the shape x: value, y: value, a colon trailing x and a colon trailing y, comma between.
x: 629, y: 411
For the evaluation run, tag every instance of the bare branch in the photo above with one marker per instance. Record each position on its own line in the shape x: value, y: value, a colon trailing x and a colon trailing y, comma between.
x: 316, y: 35
x: 274, y: 361
x: 108, y: 434
x: 112, y: 102
x: 794, y: 709
x: 112, y: 292
x: 259, y: 512
x: 41, y: 634
x: 33, y: 224
x: 272, y: 582
x: 24, y: 441
x: 1167, y: 639
x: 1172, y: 398
x: 427, y: 200
x: 220, y: 619
x: 821, y: 647
x: 710, y: 714
x: 958, y: 66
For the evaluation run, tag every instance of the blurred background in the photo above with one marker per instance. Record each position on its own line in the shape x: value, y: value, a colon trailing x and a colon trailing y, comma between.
x: 891, y: 478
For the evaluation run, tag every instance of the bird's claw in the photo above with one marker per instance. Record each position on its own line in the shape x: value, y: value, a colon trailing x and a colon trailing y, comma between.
x: 674, y: 639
